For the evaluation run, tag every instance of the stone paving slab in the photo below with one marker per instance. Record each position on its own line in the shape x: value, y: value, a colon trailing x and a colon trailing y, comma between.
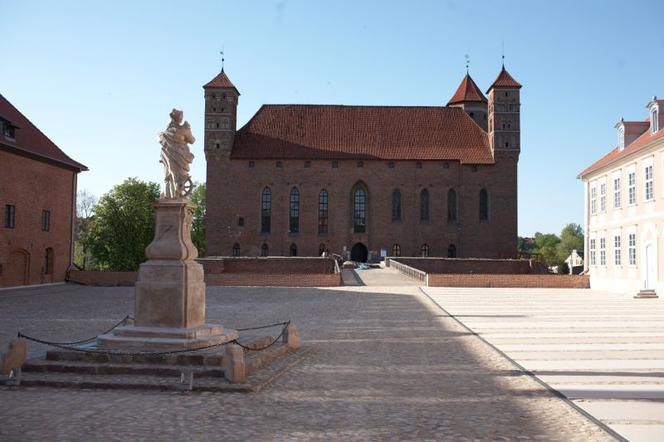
x: 589, y: 345
x: 385, y: 366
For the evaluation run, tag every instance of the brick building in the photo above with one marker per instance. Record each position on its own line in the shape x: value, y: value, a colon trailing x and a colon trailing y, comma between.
x: 364, y: 181
x: 38, y: 203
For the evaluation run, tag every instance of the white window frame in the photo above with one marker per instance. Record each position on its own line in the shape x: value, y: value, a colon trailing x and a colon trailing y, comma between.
x: 616, y: 192
x: 649, y: 182
x: 654, y: 119
x: 592, y: 252
x: 617, y: 258
x: 602, y: 197
x: 602, y: 252
x: 593, y: 200
x: 631, y: 248
x: 631, y: 187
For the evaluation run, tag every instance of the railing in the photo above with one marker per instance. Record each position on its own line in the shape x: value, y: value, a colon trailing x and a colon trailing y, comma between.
x: 417, y: 275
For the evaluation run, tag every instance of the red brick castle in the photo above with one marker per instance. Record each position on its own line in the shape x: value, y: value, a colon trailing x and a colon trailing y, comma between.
x: 364, y: 181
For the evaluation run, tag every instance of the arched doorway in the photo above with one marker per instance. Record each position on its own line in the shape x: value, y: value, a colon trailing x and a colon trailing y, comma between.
x: 359, y: 253
x: 18, y: 268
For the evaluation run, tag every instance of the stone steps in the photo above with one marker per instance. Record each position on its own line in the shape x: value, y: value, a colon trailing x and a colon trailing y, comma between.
x: 90, y: 368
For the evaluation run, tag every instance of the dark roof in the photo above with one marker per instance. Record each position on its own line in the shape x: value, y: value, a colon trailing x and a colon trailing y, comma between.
x: 616, y: 154
x: 504, y: 80
x: 30, y: 140
x: 221, y: 80
x: 362, y: 132
x: 467, y: 92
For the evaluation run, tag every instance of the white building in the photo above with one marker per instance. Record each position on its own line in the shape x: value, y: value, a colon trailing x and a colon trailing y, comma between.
x: 624, y: 208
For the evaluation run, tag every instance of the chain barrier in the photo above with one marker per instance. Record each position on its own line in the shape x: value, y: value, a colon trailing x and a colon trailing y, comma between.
x: 69, y: 345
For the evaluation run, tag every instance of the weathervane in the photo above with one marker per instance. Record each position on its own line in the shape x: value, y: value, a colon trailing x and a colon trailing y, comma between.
x: 222, y: 58
x: 467, y: 62
x: 503, y: 56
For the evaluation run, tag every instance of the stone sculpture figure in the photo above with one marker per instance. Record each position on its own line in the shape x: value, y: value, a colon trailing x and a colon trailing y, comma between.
x: 176, y: 157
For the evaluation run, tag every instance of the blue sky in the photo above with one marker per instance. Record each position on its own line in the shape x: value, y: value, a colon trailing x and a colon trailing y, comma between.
x: 99, y: 78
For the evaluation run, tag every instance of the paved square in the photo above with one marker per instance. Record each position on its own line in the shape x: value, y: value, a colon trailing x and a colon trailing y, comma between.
x: 604, y: 351
x: 386, y: 364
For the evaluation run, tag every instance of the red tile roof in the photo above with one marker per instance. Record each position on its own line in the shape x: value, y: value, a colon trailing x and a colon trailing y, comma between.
x: 616, y: 154
x: 221, y: 80
x: 504, y: 79
x: 30, y: 140
x: 467, y: 92
x: 362, y: 132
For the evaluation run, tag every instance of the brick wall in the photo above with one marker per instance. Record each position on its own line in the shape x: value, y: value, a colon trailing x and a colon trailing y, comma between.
x: 268, y: 265
x: 88, y: 277
x: 32, y: 186
x: 234, y: 192
x: 527, y: 281
x: 279, y: 280
x: 468, y: 265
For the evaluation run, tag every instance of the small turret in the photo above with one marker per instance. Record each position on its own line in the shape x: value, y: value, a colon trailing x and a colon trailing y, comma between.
x: 469, y: 97
x: 504, y: 114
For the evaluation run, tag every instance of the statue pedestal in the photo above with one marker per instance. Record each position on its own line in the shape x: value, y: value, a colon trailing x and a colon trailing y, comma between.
x: 170, y: 291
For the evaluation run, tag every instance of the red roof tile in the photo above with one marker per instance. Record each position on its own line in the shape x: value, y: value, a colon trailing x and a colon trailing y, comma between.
x: 362, y: 132
x: 30, y: 140
x: 504, y: 79
x: 616, y: 154
x: 467, y: 92
x: 221, y: 80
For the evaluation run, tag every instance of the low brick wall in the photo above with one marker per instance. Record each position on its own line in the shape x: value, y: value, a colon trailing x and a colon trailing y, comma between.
x: 108, y: 279
x: 514, y: 281
x: 239, y: 271
x: 468, y: 265
x: 283, y: 280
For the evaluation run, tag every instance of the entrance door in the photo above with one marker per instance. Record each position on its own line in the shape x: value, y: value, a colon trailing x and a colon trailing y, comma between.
x: 359, y: 253
x: 651, y: 267
x: 17, y: 268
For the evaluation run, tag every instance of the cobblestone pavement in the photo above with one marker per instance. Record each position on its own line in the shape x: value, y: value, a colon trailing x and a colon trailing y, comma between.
x: 385, y: 365
x: 604, y: 351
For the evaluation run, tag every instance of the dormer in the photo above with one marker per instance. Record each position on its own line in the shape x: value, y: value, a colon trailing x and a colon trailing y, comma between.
x: 8, y: 129
x: 656, y: 112
x: 628, y: 131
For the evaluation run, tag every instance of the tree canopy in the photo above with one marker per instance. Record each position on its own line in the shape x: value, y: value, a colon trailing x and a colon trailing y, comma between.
x: 123, y: 225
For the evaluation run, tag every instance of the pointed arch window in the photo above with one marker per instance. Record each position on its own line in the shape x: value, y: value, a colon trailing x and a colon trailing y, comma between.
x: 266, y: 210
x: 396, y: 205
x: 451, y: 251
x: 265, y: 250
x: 294, y: 211
x: 452, y: 204
x: 424, y: 205
x: 236, y: 249
x: 359, y: 209
x: 293, y: 250
x: 396, y: 250
x: 322, y: 211
x: 484, y: 206
x: 425, y: 250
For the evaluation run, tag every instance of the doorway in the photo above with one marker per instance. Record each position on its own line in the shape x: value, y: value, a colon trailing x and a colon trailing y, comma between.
x: 359, y: 253
x: 651, y: 267
x: 18, y: 268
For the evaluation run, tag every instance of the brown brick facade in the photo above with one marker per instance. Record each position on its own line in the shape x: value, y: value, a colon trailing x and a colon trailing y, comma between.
x: 235, y: 180
x: 32, y: 186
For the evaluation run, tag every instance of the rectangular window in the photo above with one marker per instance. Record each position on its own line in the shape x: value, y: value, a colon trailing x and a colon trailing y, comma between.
x: 616, y: 250
x: 632, y: 249
x: 592, y: 252
x: 10, y: 216
x: 46, y: 220
x: 616, y: 193
x: 649, y: 183
x: 322, y: 211
x: 602, y: 251
x: 631, y: 189
x: 593, y: 200
x: 602, y: 197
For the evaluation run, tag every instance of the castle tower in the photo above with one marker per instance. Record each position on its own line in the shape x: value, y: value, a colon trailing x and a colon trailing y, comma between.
x: 221, y: 98
x: 504, y: 115
x: 469, y: 97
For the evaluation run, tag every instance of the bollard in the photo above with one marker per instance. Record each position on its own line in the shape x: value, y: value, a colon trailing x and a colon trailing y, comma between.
x: 234, y: 367
x: 292, y: 337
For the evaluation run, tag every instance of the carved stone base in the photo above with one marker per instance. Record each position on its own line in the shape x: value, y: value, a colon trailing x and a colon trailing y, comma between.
x: 170, y: 293
x: 165, y: 338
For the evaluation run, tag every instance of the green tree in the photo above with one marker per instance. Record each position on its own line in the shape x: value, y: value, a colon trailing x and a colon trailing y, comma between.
x: 198, y: 224
x: 123, y: 225
x: 85, y: 203
x: 571, y: 237
x: 547, y: 245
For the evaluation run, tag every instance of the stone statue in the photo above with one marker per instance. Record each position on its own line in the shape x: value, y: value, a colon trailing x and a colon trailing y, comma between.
x: 176, y: 157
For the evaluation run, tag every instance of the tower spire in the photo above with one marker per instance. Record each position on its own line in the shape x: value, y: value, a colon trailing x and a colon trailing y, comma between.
x: 467, y: 64
x: 222, y: 58
x: 503, y: 54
